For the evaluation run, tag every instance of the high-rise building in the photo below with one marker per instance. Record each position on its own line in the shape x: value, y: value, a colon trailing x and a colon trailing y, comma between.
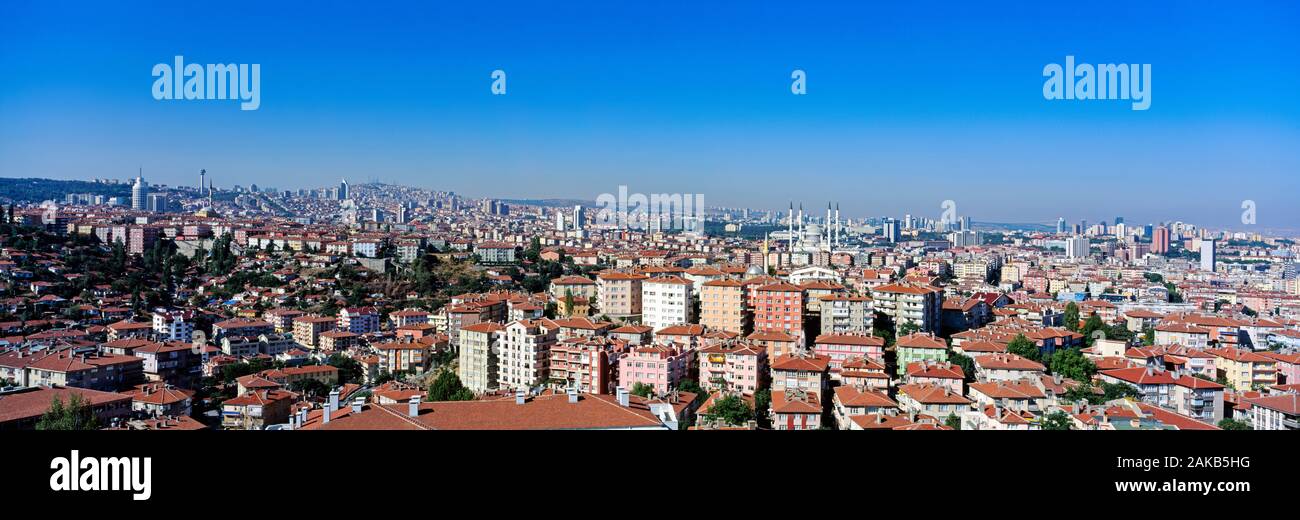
x: 1207, y: 255
x: 1077, y: 247
x: 577, y: 217
x: 343, y: 190
x: 1160, y: 240
x: 891, y: 230
x: 1060, y: 225
x: 140, y: 193
x: 157, y: 203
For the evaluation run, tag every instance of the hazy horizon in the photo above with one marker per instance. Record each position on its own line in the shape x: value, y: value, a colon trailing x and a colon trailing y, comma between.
x: 906, y: 106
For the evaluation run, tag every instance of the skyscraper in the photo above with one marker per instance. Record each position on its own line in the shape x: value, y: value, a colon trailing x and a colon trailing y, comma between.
x: 1160, y: 240
x: 1207, y: 255
x: 1060, y: 225
x: 140, y: 193
x: 343, y: 190
x: 1077, y: 247
x: 577, y: 217
x: 891, y: 230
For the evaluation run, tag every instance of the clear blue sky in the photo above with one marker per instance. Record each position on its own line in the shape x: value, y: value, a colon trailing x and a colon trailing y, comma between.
x: 908, y: 104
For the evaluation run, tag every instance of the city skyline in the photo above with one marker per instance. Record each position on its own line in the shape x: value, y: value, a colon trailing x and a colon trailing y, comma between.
x: 905, y: 107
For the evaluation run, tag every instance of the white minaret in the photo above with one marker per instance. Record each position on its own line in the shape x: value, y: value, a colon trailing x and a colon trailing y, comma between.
x: 800, y: 223
x: 837, y: 225
x: 789, y: 224
x: 827, y: 224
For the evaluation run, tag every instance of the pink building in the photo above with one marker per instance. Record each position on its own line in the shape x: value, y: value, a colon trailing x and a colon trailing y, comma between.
x: 660, y: 366
x: 735, y: 366
x: 842, y: 347
x: 1288, y: 367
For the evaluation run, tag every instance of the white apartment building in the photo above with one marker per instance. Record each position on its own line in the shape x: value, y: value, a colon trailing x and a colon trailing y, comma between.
x: 666, y: 301
x: 524, y: 351
x: 173, y: 325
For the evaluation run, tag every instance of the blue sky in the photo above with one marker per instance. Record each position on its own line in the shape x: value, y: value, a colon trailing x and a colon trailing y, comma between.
x: 907, y: 105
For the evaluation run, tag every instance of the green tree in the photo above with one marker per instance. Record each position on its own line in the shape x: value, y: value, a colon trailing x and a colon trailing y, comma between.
x: 965, y: 362
x: 690, y: 385
x: 349, y: 369
x: 1072, y: 316
x: 952, y: 421
x: 1021, y: 346
x: 732, y: 410
x: 1233, y: 424
x: 1071, y: 363
x: 1056, y: 421
x: 908, y: 328
x: 75, y: 415
x: 1090, y: 327
x: 642, y: 390
x: 447, y: 387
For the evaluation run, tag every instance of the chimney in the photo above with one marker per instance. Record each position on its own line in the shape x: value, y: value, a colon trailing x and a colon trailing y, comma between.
x: 623, y: 399
x: 334, y: 400
x: 413, y: 406
x: 520, y: 396
x: 357, y: 404
x: 325, y: 415
x: 573, y: 395
x: 293, y: 422
x: 302, y: 417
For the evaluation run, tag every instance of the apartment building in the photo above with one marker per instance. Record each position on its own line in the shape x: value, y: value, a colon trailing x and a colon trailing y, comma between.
x: 1243, y: 369
x: 843, y: 347
x: 722, y: 306
x: 801, y: 371
x: 845, y: 313
x: 919, y: 347
x: 734, y: 366
x: 108, y: 373
x: 907, y: 303
x: 173, y: 325
x: 585, y: 364
x: 660, y: 366
x: 248, y: 327
x: 359, y: 320
x: 796, y: 409
x: 477, y: 365
x: 411, y: 357
x: 1178, y: 391
x: 1275, y: 412
x: 257, y: 409
x: 666, y: 301
x: 619, y: 295
x: 779, y: 307
x: 523, y: 359
x: 281, y: 320
x: 307, y: 329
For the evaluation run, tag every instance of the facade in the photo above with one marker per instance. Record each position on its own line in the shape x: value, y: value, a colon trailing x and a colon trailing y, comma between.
x: 307, y: 329
x: 173, y: 325
x: 845, y: 314
x: 732, y: 366
x: 1276, y: 412
x: 359, y: 320
x: 779, y: 307
x: 722, y: 306
x: 524, y: 355
x: 478, y: 356
x: 904, y: 303
x: 918, y: 347
x: 584, y: 364
x: 840, y: 348
x: 619, y: 295
x: 660, y: 366
x: 666, y: 301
